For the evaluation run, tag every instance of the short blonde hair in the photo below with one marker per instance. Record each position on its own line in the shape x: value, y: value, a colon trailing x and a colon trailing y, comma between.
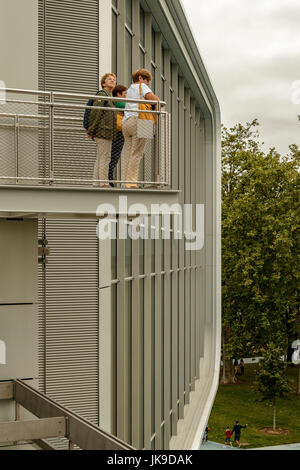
x: 104, y: 78
x: 144, y: 73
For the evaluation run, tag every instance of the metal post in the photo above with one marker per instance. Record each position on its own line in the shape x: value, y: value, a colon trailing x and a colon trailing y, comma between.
x: 17, y: 136
x: 51, y: 137
x: 17, y: 411
x: 158, y: 146
x: 166, y: 136
x: 169, y: 151
x: 17, y: 417
x: 71, y: 445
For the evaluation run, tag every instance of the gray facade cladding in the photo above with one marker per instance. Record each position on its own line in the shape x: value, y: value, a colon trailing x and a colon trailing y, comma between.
x: 129, y: 330
x: 173, y: 313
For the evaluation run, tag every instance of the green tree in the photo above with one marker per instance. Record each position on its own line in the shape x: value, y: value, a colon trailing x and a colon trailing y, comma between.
x: 271, y: 382
x: 260, y: 237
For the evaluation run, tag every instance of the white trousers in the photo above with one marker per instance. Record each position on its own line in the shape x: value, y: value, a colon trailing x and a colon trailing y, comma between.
x: 134, y: 149
x: 102, y: 160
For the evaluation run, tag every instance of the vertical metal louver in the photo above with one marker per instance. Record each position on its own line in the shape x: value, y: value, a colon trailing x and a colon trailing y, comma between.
x: 69, y: 45
x: 72, y: 323
x: 69, y: 63
x: 69, y: 318
x: 69, y: 298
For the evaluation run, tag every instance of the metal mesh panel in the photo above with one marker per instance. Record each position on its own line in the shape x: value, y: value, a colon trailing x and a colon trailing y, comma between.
x: 117, y: 164
x: 156, y: 163
x: 18, y: 139
x: 165, y: 149
x: 74, y: 153
x: 7, y: 148
x: 148, y: 170
x: 44, y: 138
x: 18, y: 103
x: 28, y: 149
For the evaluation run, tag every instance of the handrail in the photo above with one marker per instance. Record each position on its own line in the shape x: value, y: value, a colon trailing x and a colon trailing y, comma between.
x: 81, y: 106
x: 78, y: 95
x: 25, y: 92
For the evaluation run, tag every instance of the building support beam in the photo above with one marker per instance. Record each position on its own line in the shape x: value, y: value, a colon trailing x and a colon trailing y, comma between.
x: 6, y: 391
x: 31, y: 430
x: 18, y: 201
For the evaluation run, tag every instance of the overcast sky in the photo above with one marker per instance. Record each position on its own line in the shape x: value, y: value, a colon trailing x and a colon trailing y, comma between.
x: 251, y: 49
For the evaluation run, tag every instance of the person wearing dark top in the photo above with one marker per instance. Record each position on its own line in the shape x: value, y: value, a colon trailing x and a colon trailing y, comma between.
x: 119, y: 91
x: 237, y: 432
x: 102, y: 128
x: 242, y: 367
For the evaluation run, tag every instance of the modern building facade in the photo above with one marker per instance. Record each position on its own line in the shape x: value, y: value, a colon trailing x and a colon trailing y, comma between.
x: 125, y: 333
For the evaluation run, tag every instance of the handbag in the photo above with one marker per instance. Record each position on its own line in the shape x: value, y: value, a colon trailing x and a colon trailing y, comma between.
x: 119, y: 121
x: 146, y: 121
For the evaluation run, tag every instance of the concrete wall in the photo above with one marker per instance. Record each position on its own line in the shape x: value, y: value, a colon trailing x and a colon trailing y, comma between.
x: 18, y: 262
x: 19, y: 43
x: 18, y: 304
x: 18, y: 69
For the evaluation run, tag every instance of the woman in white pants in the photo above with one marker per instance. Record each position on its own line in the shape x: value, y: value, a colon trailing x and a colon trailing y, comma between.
x: 134, y: 146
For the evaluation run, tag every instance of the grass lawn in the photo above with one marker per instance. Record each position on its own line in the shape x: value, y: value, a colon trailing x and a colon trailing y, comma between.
x: 239, y: 402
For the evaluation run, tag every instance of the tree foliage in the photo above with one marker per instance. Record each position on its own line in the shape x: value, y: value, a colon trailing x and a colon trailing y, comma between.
x: 260, y: 236
x: 271, y: 382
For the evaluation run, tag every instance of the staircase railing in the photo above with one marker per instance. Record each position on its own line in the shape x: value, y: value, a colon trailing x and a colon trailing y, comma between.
x: 54, y: 421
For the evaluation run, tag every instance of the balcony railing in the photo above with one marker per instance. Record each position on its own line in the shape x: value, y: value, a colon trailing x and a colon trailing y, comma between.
x: 43, y: 142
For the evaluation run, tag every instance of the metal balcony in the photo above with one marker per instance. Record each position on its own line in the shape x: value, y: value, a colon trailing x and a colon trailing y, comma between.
x: 43, y: 143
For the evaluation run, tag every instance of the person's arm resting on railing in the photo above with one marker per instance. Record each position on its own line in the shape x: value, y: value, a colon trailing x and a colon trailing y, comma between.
x: 151, y: 97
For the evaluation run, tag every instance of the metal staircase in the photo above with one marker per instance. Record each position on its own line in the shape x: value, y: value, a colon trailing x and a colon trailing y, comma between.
x: 54, y: 421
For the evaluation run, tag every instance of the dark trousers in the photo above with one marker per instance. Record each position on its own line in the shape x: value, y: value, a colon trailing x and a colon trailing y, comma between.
x: 117, y: 147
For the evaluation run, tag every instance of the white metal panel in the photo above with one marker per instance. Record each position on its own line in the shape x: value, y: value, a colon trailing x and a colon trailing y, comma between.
x: 18, y: 330
x: 105, y: 36
x: 18, y: 31
x: 18, y: 261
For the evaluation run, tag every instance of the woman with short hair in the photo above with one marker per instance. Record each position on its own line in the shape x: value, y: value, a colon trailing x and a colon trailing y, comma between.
x: 102, y: 128
x: 134, y: 146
